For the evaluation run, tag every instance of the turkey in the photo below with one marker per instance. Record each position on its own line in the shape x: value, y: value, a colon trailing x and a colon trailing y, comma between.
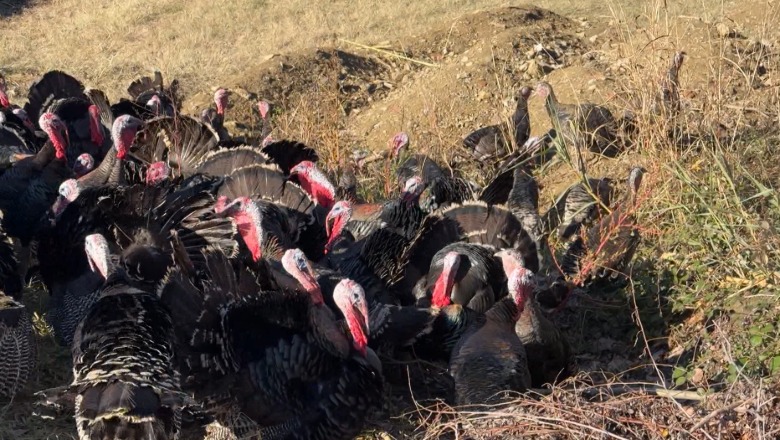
x: 670, y: 85
x: 14, y: 142
x: 490, y: 358
x: 431, y: 332
x: 151, y: 226
x: 277, y: 356
x: 17, y: 346
x: 387, y: 260
x: 444, y: 191
x: 315, y: 183
x: 29, y: 188
x: 524, y: 204
x: 588, y: 125
x: 264, y: 109
x: 182, y: 142
x: 495, y: 141
x: 150, y: 98
x: 466, y: 274
x: 402, y: 215
x: 608, y: 246
x: 579, y: 205
x: 110, y: 170
x: 216, y: 118
x: 4, y: 101
x: 223, y: 161
x: 287, y: 154
x: 494, y: 226
x: 665, y: 102
x: 270, y: 211
x: 125, y: 382
x: 419, y: 165
x: 13, y: 116
x: 550, y: 358
x: 63, y: 95
x: 10, y: 280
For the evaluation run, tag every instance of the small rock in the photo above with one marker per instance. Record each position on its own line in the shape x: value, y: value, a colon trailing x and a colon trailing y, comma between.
x: 243, y: 93
x: 723, y: 29
x: 593, y: 38
x: 698, y: 376
x: 481, y: 95
x: 534, y: 70
x: 592, y: 88
x: 469, y: 64
x: 464, y: 60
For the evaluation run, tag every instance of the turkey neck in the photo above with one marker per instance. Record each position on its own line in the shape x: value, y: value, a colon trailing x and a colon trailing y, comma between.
x: 109, y: 171
x: 45, y: 155
x: 520, y: 119
x: 529, y: 317
x: 552, y: 105
x: 504, y: 311
x: 327, y: 331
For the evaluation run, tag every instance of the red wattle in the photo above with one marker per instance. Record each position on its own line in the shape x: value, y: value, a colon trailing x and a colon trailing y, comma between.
x: 249, y: 233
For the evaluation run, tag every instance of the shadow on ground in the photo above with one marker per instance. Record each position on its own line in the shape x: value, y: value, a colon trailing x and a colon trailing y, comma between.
x: 12, y: 7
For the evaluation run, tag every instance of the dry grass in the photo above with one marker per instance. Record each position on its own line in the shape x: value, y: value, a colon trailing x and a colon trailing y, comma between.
x: 204, y: 43
x: 198, y: 41
x: 700, y: 312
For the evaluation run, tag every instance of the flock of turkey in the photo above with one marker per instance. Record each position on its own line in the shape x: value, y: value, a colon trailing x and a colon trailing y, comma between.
x: 231, y: 290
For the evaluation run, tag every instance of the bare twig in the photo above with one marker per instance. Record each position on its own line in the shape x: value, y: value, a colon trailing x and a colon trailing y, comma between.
x: 390, y: 53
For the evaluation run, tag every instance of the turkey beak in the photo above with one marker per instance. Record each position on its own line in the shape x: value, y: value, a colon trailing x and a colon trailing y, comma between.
x: 329, y: 221
x: 361, y: 310
x: 58, y: 207
x: 19, y: 156
x: 97, y: 254
x: 66, y: 135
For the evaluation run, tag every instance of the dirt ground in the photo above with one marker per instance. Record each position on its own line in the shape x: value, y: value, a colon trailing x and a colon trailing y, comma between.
x: 440, y: 85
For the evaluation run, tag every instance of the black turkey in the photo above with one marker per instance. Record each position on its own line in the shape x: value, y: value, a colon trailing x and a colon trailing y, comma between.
x: 489, y: 358
x: 17, y: 346
x: 605, y: 250
x: 466, y: 274
x: 581, y: 125
x: 495, y: 141
x: 125, y: 381
x: 277, y: 356
x: 151, y: 225
x: 150, y: 98
x: 550, y: 358
x: 29, y: 188
x: 579, y: 205
x: 59, y: 93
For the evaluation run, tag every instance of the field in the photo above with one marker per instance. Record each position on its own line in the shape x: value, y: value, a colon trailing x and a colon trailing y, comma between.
x: 690, y: 348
